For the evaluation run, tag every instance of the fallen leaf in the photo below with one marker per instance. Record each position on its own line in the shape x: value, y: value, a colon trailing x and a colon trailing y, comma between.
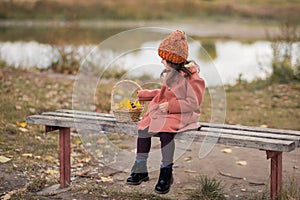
x: 242, y: 163
x: 101, y: 141
x: 226, y: 150
x: 188, y: 158
x: 23, y: 129
x: 6, y: 197
x: 225, y: 174
x: 49, y: 158
x: 104, y: 195
x: 190, y: 171
x: 32, y: 110
x: 88, y: 144
x: 27, y: 155
x: 4, y: 159
x: 83, y: 160
x: 78, y: 142
x: 100, y: 154
x: 38, y: 138
x: 52, y: 171
x: 106, y: 179
x: 83, y: 173
x: 22, y: 124
x: 77, y: 165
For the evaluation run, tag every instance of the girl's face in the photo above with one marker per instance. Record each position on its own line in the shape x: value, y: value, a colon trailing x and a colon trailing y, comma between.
x: 164, y: 62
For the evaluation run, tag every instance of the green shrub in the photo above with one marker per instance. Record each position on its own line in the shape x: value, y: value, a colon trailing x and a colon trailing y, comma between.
x: 68, y: 64
x: 283, y: 72
x: 114, y: 73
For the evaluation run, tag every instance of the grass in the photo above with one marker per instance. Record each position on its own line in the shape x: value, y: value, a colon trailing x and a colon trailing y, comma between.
x: 209, y: 189
x: 36, y: 185
x: 98, y: 191
x: 212, y: 189
x: 29, y: 92
x: 291, y: 189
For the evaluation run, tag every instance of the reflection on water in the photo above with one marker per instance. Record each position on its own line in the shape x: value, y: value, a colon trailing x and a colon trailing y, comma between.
x: 230, y: 58
x: 208, y: 52
x: 56, y: 35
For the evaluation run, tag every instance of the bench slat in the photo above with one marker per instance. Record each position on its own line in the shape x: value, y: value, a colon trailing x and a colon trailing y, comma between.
x: 255, y: 134
x: 78, y: 116
x: 252, y: 128
x: 83, y: 123
x: 241, y: 141
x: 79, y: 112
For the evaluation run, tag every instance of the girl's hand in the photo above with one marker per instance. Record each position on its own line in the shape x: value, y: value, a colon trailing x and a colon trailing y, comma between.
x: 164, y: 107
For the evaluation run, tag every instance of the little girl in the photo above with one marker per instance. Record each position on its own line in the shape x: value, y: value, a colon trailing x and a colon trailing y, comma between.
x: 174, y: 108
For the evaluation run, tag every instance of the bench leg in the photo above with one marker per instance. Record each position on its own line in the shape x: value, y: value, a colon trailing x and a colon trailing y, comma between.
x: 276, y: 173
x: 65, y: 155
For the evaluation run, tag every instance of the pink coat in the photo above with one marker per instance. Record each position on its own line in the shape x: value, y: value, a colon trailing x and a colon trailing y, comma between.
x: 184, y: 97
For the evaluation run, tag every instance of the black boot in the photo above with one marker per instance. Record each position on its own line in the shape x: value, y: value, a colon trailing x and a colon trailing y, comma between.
x: 138, y: 174
x: 165, y: 180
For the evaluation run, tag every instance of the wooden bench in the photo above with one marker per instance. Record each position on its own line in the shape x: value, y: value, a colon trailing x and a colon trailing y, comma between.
x: 273, y: 141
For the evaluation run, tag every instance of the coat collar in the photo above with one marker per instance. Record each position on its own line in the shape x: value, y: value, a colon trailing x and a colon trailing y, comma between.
x: 192, y: 67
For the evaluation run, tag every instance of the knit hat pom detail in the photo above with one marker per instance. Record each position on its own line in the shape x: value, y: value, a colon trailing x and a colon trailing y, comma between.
x: 174, y: 48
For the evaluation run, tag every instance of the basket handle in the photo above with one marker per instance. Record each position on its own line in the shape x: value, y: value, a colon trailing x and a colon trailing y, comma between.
x: 116, y: 85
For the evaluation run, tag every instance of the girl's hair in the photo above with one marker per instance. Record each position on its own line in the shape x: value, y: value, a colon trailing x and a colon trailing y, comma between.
x: 176, y: 68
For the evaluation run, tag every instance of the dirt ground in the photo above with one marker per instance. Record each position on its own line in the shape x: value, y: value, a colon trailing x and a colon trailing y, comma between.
x: 239, y: 180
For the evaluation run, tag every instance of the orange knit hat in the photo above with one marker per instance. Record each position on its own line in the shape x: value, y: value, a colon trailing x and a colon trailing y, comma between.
x: 174, y: 48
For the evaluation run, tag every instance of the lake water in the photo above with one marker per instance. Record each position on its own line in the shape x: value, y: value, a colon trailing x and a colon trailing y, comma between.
x: 220, y: 61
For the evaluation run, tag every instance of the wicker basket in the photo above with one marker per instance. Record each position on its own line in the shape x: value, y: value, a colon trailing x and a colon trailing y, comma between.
x: 126, y: 115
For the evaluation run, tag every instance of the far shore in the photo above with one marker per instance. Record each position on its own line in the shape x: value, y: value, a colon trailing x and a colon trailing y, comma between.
x: 198, y: 28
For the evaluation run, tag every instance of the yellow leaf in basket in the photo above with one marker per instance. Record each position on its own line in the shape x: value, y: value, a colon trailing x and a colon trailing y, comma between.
x: 136, y: 104
x: 128, y: 105
x: 124, y: 104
